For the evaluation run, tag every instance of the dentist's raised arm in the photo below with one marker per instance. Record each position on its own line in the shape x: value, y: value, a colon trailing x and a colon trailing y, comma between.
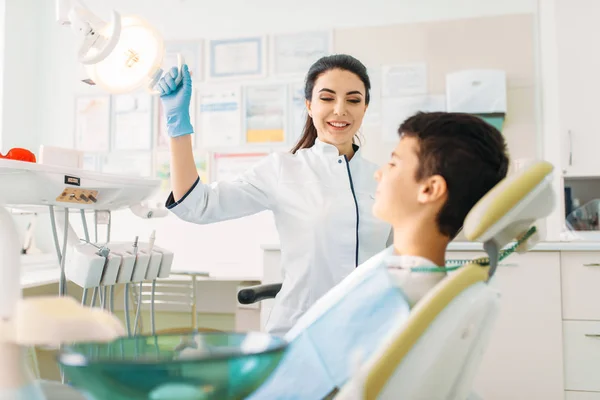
x: 176, y: 106
x: 191, y: 199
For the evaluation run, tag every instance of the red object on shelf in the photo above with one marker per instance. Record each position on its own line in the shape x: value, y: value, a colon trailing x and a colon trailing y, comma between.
x: 19, y: 155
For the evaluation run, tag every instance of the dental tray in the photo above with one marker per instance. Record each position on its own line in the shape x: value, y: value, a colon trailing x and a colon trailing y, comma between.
x: 26, y: 183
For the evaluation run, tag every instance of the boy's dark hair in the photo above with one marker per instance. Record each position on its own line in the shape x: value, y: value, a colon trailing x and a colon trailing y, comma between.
x: 469, y: 153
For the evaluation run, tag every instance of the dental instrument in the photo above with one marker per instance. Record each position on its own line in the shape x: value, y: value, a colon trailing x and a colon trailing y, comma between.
x: 146, y: 212
x: 151, y: 241
x: 29, y: 241
x: 135, y: 246
x: 138, y: 295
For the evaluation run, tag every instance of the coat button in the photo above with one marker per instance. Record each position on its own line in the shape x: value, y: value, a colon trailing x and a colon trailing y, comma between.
x: 339, y: 161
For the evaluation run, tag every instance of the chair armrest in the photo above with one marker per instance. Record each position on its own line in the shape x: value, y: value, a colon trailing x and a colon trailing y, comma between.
x: 253, y: 294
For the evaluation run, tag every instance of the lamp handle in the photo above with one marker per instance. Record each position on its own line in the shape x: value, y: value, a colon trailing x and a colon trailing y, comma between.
x: 159, y: 74
x: 83, y: 19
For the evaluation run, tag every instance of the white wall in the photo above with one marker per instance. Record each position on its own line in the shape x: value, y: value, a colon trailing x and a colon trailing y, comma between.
x: 22, y: 71
x: 550, y: 113
x: 185, y: 19
x: 40, y: 105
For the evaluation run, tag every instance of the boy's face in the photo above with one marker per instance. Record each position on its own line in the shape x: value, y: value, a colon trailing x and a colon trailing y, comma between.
x: 399, y: 197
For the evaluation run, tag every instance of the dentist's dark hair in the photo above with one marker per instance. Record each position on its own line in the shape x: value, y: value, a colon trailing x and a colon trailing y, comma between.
x: 342, y: 62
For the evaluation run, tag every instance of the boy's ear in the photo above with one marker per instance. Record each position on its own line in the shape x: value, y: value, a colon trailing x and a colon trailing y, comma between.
x: 432, y: 189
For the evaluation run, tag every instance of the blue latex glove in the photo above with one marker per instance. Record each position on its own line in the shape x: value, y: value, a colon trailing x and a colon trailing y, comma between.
x: 176, y: 101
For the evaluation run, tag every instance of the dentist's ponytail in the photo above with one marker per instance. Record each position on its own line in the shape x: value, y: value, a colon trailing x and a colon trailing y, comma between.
x: 309, y: 135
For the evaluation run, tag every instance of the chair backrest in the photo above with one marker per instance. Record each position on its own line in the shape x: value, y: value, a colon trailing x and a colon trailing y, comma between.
x: 443, y: 362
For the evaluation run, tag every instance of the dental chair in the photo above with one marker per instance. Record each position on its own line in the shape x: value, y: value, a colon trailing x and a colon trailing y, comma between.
x: 436, y: 353
x: 256, y: 293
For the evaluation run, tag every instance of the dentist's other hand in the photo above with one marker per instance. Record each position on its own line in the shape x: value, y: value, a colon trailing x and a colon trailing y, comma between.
x: 176, y: 101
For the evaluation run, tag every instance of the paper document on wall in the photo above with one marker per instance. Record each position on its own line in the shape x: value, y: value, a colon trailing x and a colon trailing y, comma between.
x: 228, y: 166
x: 133, y: 124
x: 298, y: 111
x: 404, y: 79
x: 476, y: 91
x: 235, y: 58
x: 266, y: 113
x: 219, y: 118
x: 92, y: 123
x: 373, y: 114
x: 396, y: 110
x: 91, y: 162
x: 162, y: 168
x: 294, y: 53
x: 133, y: 164
x: 191, y: 50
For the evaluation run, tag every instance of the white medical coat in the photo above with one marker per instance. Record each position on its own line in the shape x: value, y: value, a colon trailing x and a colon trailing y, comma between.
x: 322, y: 207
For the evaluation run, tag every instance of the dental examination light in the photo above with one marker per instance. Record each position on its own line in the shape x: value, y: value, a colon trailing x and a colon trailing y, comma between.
x: 121, y: 55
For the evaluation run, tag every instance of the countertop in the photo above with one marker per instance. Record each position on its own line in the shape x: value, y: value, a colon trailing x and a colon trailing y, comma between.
x: 474, y: 246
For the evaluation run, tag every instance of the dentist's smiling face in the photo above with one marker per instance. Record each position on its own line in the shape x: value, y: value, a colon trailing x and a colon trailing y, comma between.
x: 337, y: 107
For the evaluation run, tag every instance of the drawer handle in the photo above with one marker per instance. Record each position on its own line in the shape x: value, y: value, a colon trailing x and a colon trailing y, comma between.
x: 593, y: 335
x: 592, y: 265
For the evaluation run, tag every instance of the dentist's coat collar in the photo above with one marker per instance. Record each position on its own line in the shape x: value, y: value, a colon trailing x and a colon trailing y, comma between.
x: 323, y: 148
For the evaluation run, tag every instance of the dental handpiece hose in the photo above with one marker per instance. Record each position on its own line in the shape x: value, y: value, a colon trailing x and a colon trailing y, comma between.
x: 151, y: 242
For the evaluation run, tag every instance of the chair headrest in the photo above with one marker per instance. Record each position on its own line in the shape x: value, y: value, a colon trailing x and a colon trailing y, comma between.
x: 507, y: 211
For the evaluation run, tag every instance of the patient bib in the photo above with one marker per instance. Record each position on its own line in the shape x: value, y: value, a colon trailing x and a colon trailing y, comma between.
x: 414, y: 285
x: 354, y: 317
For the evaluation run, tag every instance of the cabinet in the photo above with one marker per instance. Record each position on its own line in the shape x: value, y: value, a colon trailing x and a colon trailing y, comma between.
x: 578, y: 54
x: 581, y: 326
x: 523, y: 360
x: 580, y: 281
x: 570, y: 395
x: 582, y: 355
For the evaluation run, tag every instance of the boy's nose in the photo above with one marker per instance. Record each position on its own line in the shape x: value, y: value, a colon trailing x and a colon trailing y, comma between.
x: 377, y: 175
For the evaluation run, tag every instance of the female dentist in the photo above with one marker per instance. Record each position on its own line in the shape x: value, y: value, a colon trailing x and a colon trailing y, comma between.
x: 321, y: 193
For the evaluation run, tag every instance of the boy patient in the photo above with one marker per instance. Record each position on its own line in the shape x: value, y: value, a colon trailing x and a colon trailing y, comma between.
x: 443, y: 165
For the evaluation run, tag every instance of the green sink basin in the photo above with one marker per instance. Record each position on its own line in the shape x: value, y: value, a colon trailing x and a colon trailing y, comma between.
x: 193, y: 366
